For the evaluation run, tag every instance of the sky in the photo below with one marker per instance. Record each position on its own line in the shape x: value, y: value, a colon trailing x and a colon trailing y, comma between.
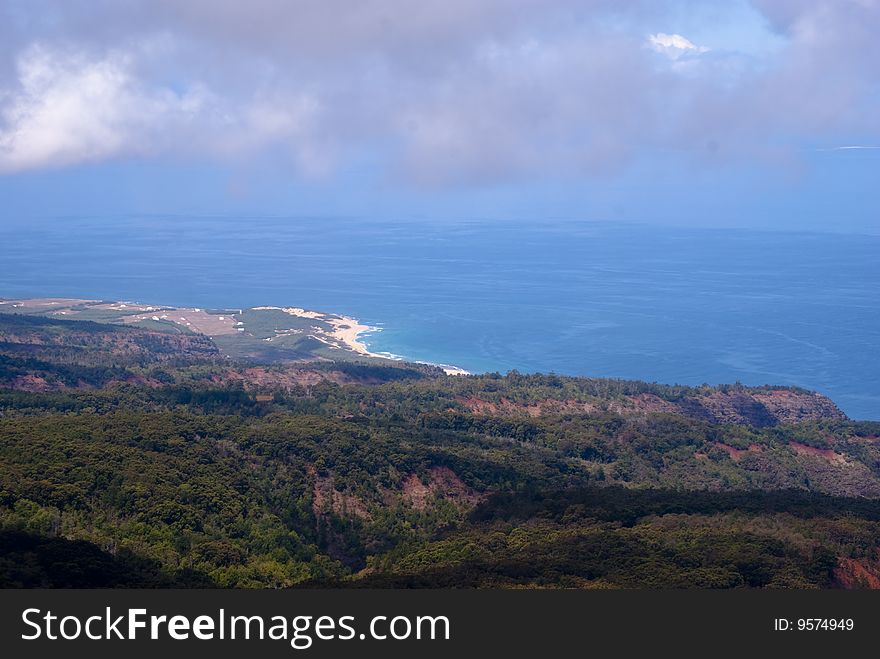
x: 705, y: 113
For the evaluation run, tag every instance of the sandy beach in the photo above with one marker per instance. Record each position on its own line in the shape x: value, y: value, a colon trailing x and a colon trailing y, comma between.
x: 452, y: 370
x: 347, y: 331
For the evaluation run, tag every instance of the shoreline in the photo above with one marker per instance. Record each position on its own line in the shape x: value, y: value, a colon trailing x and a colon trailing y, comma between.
x: 448, y: 368
x: 347, y: 330
x: 344, y: 333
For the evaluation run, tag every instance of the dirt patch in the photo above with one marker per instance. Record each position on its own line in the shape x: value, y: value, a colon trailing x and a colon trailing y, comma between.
x: 326, y: 499
x: 32, y: 383
x: 852, y: 573
x: 416, y: 492
x: 442, y: 482
x: 737, y: 454
x: 827, y: 453
x: 479, y: 406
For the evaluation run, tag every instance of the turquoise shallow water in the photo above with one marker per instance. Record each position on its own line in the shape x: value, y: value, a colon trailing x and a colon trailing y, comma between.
x: 658, y: 304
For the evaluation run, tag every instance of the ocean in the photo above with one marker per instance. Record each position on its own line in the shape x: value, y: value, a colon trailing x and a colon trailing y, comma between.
x: 670, y: 305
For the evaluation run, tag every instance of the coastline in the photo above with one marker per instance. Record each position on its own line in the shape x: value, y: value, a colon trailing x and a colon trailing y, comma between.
x: 344, y: 333
x: 448, y: 368
x: 348, y: 331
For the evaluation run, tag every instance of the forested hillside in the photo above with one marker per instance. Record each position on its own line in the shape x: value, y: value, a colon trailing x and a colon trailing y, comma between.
x: 144, y: 458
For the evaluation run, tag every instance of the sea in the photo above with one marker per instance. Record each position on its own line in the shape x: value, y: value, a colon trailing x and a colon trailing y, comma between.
x: 661, y: 304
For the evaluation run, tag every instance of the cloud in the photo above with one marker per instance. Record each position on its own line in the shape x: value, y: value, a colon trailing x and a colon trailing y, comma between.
x: 674, y: 45
x: 68, y: 108
x: 852, y: 147
x: 461, y: 92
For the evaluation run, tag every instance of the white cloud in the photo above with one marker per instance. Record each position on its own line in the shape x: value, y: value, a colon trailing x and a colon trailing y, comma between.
x: 69, y: 108
x: 674, y: 45
x: 852, y: 147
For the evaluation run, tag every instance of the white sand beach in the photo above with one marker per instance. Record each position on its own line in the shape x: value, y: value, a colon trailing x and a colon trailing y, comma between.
x: 453, y: 370
x: 347, y: 332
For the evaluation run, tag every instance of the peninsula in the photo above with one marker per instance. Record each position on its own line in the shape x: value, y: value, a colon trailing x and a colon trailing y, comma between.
x: 263, y: 334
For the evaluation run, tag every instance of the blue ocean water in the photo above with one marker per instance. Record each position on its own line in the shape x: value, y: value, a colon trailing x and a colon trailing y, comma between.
x: 659, y: 304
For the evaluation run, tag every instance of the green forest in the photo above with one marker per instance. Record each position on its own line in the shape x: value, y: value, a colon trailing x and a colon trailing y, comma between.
x: 140, y: 458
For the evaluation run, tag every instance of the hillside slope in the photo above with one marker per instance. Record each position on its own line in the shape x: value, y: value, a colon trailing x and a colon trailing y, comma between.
x: 150, y: 450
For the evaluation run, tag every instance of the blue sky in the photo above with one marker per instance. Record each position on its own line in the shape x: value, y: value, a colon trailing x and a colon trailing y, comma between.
x: 694, y: 113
